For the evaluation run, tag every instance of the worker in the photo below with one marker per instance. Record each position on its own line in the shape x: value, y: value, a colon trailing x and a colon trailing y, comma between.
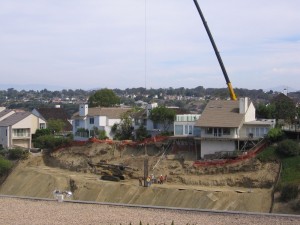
x: 161, y: 179
x: 148, y: 181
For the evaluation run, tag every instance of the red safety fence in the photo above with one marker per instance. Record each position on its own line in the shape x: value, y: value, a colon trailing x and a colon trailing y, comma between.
x: 121, y: 144
x: 221, y: 162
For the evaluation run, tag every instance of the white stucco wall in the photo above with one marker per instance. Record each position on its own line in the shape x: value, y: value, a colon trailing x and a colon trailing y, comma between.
x: 103, y: 121
x: 213, y: 146
x: 250, y: 114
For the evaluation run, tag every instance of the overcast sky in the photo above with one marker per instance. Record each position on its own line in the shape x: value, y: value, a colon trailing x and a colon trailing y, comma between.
x: 102, y: 43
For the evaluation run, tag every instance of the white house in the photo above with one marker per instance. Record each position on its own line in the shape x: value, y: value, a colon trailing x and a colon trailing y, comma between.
x: 17, y: 128
x: 225, y: 124
x: 184, y: 125
x: 90, y: 118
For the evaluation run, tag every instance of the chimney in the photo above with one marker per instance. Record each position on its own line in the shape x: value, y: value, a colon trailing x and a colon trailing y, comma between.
x: 83, y: 110
x: 243, y: 105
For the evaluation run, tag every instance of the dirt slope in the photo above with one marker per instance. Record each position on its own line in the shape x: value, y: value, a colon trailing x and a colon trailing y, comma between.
x: 185, y: 187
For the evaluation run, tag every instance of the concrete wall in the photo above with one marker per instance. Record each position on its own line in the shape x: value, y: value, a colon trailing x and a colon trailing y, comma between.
x: 213, y: 146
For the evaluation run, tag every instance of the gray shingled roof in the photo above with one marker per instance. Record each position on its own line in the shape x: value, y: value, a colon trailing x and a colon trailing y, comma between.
x: 14, y: 118
x: 111, y: 113
x: 4, y: 112
x: 219, y: 113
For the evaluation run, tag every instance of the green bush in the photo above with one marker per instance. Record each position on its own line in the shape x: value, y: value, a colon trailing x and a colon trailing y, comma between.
x: 102, y: 135
x: 288, y: 148
x: 41, y: 132
x: 51, y: 142
x: 17, y: 153
x: 289, y: 192
x: 275, y: 134
x: 5, y: 166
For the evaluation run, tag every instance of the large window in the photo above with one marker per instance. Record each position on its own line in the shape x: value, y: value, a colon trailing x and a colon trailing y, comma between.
x: 21, y: 133
x: 217, y: 131
x: 178, y: 129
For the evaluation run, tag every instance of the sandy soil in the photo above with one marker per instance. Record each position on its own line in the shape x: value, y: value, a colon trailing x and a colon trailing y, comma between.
x: 236, y: 188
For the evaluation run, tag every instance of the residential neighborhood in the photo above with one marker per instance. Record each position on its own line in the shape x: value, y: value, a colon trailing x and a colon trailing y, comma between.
x: 223, y: 126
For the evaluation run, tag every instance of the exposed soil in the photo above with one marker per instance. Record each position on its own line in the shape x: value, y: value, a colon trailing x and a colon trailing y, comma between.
x: 245, y: 186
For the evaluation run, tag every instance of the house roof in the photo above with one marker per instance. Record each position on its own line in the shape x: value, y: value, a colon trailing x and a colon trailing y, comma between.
x: 56, y: 114
x: 14, y: 118
x: 4, y: 112
x: 111, y: 113
x: 221, y: 113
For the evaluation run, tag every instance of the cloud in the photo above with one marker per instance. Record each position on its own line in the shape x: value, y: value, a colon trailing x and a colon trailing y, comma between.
x: 82, y: 43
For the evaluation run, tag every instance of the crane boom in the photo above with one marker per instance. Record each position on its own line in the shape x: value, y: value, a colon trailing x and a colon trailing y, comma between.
x: 231, y: 91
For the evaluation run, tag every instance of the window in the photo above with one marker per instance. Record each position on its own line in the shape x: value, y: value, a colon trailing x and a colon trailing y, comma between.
x: 178, y: 129
x: 208, y: 130
x: 92, y: 120
x: 42, y: 125
x: 226, y: 131
x: 217, y: 132
x: 190, y: 129
x: 186, y: 129
x: 21, y: 132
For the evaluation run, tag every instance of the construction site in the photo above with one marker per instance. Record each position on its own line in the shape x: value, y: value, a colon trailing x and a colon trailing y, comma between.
x: 116, y: 172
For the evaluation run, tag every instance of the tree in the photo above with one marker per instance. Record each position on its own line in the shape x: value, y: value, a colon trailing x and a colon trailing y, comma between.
x: 275, y: 134
x: 103, y: 98
x: 163, y: 115
x: 266, y: 111
x: 141, y: 133
x: 123, y: 130
x: 285, y: 108
x: 55, y: 125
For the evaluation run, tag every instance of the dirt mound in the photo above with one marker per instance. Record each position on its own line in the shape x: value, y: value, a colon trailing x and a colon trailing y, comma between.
x: 236, y: 187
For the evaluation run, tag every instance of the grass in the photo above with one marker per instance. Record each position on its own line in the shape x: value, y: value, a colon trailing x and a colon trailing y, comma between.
x: 290, y: 165
x: 290, y: 170
x: 268, y: 155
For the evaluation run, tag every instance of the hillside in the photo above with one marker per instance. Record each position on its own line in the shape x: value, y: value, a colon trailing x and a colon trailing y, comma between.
x: 243, y: 187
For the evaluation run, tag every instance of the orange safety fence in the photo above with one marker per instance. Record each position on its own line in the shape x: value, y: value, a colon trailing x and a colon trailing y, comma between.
x: 119, y: 143
x: 222, y: 162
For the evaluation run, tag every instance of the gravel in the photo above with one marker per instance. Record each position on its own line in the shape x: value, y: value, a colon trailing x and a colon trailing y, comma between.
x: 24, y: 211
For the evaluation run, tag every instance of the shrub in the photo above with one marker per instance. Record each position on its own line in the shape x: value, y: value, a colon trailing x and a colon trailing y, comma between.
x: 288, y: 148
x: 51, y: 142
x: 289, y: 192
x: 5, y: 166
x: 41, y: 132
x: 17, y: 153
x: 275, y: 134
x: 102, y: 135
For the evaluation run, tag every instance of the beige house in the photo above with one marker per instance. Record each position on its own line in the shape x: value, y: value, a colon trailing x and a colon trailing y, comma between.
x: 17, y: 128
x: 228, y: 125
